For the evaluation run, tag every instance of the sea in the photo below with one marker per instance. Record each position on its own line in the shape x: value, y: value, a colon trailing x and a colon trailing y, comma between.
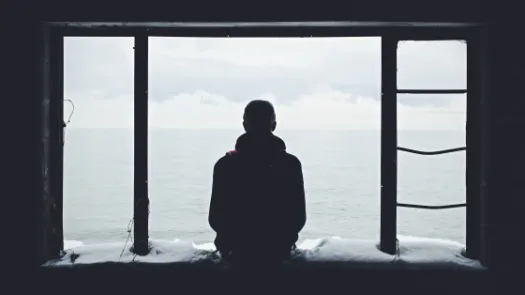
x: 341, y: 172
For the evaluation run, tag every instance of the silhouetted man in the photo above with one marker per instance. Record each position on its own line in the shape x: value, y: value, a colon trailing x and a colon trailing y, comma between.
x: 257, y: 205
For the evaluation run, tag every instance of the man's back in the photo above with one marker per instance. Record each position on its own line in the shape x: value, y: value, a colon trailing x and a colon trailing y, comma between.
x: 258, y: 200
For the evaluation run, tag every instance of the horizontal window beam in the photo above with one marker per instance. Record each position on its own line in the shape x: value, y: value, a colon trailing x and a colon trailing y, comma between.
x: 286, y: 24
x: 243, y: 30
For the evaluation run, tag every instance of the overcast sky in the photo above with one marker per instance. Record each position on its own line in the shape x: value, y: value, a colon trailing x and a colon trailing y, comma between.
x: 329, y: 83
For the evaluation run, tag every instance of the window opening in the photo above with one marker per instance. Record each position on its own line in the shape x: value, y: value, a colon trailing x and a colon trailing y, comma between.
x: 389, y: 149
x: 52, y: 80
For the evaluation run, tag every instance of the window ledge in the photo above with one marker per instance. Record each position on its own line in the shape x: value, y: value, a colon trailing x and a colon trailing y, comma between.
x: 413, y: 253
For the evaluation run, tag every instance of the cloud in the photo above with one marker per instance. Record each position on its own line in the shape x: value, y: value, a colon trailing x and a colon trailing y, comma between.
x: 98, y: 65
x: 432, y: 65
x: 324, y: 108
x: 240, y: 69
x: 315, y: 83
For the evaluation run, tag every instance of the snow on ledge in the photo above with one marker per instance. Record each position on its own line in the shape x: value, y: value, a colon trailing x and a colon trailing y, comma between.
x: 413, y: 253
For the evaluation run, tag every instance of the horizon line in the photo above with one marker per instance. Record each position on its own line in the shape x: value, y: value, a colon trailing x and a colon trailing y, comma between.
x: 240, y: 129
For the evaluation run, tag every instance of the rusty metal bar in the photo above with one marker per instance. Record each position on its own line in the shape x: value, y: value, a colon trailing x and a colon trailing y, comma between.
x: 388, y: 234
x: 431, y: 207
x: 141, y: 200
x: 431, y: 152
x: 431, y: 91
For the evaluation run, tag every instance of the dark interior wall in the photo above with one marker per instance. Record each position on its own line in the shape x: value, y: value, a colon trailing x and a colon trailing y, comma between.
x: 22, y: 146
x: 230, y: 11
x: 505, y: 167
x: 505, y: 110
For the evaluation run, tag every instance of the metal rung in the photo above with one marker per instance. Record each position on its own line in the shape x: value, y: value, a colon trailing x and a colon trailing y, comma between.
x: 432, y: 152
x: 431, y: 207
x: 429, y: 91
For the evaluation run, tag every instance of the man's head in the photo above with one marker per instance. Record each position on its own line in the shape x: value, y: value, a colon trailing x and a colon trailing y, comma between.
x: 259, y: 117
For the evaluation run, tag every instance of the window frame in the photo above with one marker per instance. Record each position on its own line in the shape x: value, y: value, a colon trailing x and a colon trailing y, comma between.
x: 52, y: 95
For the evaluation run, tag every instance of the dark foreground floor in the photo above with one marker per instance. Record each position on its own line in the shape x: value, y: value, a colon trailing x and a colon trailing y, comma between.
x: 169, y: 278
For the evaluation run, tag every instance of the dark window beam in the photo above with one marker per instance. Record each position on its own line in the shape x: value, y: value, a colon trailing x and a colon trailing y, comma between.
x: 56, y: 136
x: 141, y: 200
x: 404, y: 31
x: 388, y: 234
x: 50, y: 238
x: 474, y: 152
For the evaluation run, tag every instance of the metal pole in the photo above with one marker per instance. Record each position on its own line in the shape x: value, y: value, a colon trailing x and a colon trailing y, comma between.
x: 388, y: 239
x: 141, y: 201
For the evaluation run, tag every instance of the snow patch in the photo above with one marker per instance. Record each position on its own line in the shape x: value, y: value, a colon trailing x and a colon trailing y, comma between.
x: 413, y: 253
x: 338, y: 249
x: 434, y: 253
x: 69, y: 244
x: 161, y: 251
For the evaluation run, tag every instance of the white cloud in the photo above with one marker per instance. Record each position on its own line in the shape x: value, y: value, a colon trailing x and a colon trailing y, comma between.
x: 325, y: 83
x: 324, y: 109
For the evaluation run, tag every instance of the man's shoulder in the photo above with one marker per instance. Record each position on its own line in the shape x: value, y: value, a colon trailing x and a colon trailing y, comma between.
x: 221, y: 162
x: 227, y: 159
x: 232, y: 156
x: 292, y: 159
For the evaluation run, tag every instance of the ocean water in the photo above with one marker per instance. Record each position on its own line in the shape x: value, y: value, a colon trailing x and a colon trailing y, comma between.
x: 341, y: 171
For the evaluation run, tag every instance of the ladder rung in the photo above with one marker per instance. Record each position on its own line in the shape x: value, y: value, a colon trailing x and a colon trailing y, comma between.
x: 431, y: 152
x: 430, y: 91
x: 431, y: 207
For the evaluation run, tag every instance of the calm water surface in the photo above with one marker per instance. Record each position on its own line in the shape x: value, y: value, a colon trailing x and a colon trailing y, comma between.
x: 341, y: 171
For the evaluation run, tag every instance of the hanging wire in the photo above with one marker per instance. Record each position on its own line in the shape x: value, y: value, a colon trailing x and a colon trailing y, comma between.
x: 68, y: 119
x: 70, y: 114
x: 129, y: 238
x: 131, y: 224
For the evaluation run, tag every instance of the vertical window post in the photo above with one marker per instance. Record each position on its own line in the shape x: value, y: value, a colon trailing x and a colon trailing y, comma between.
x: 473, y: 142
x: 49, y: 204
x: 56, y: 137
x: 140, y: 196
x: 388, y: 237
